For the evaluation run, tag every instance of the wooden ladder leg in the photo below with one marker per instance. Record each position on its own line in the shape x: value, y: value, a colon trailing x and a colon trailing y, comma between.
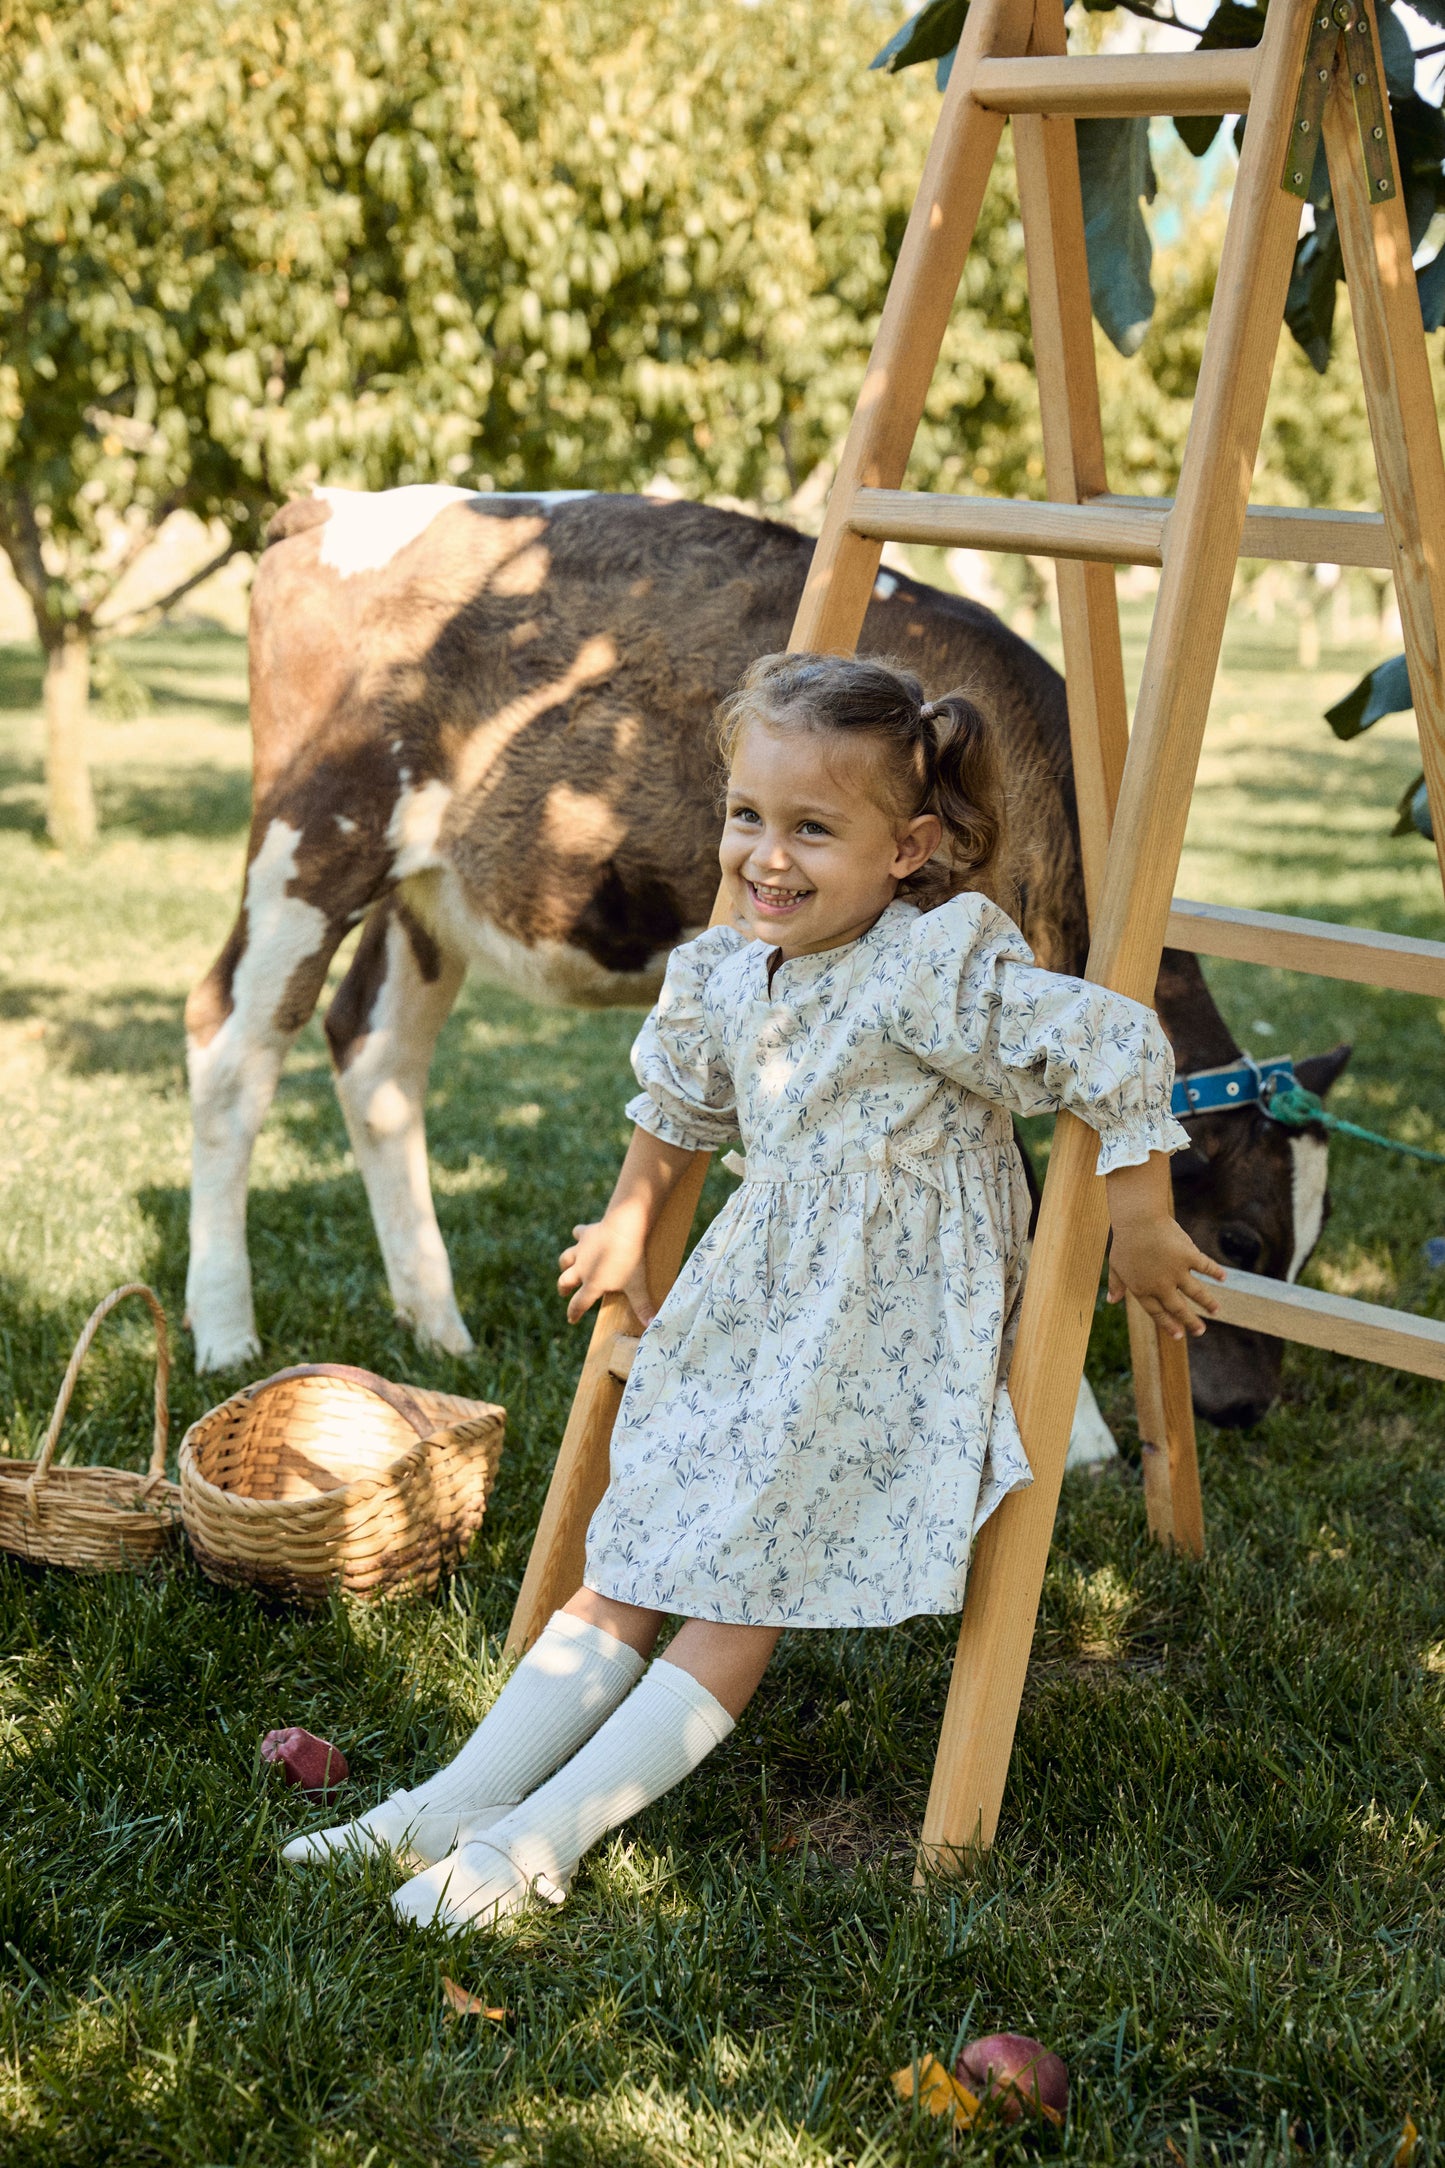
x: 915, y: 317
x: 1173, y: 1500
x: 1047, y: 163
x: 1006, y: 1577
x: 1400, y: 400
x: 554, y: 1564
x: 1046, y: 156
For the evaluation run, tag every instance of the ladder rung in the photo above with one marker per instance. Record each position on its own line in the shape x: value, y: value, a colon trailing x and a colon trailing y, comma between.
x: 1108, y: 529
x: 1107, y: 85
x: 1106, y: 533
x: 619, y: 1360
x: 1366, y: 1330
x: 1298, y: 534
x: 1310, y: 944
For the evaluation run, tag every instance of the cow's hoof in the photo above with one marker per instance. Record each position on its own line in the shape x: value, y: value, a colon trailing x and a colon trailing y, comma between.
x: 223, y: 1350
x: 1091, y: 1442
x: 447, y: 1336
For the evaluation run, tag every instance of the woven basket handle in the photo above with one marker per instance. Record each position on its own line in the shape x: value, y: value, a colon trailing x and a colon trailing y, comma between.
x: 97, y: 1318
x: 395, y: 1396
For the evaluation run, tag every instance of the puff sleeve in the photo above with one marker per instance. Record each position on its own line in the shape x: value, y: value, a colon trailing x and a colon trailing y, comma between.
x: 974, y: 1006
x: 687, y: 1096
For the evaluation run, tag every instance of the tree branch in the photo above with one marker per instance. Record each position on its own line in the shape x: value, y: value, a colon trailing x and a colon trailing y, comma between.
x: 136, y: 549
x: 20, y: 540
x: 123, y: 627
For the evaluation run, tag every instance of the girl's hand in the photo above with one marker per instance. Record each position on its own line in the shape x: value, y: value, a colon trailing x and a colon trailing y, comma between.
x: 607, y: 1259
x: 1152, y: 1258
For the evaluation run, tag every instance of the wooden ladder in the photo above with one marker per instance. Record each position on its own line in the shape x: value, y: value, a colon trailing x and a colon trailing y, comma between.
x: 1317, y: 68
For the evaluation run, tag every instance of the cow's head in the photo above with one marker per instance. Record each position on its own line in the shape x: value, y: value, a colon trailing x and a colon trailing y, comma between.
x: 1255, y: 1195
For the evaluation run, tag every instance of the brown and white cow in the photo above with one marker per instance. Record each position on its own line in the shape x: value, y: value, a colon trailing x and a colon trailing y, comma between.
x: 481, y: 726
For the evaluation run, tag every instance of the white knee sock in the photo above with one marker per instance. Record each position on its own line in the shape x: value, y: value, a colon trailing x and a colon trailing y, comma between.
x: 666, y: 1726
x: 568, y: 1683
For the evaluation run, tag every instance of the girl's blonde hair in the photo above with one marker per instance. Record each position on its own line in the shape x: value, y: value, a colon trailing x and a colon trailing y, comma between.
x: 938, y: 756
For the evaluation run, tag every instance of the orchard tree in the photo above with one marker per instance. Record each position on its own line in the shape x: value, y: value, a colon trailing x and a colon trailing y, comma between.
x: 106, y: 248
x: 250, y: 247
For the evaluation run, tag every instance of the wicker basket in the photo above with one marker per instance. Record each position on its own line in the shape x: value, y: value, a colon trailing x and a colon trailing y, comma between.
x: 325, y: 1477
x: 98, y: 1520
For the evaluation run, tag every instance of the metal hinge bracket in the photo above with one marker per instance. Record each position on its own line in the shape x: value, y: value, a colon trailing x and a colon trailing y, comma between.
x: 1341, y: 35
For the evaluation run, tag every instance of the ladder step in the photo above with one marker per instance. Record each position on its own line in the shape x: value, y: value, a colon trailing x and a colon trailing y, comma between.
x: 1298, y: 534
x: 1111, y: 85
x: 1105, y: 533
x: 1309, y: 944
x: 1366, y: 1330
x: 1108, y: 529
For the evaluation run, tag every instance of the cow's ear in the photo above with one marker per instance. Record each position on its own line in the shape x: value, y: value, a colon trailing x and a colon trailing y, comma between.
x: 1317, y: 1072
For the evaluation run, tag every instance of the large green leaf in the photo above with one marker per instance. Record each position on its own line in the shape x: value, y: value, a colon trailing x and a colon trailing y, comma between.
x: 1385, y: 690
x: 1230, y: 27
x: 1412, y: 814
x: 931, y: 34
x: 1420, y: 142
x: 1432, y: 291
x: 1397, y: 54
x: 1309, y: 308
x: 1115, y: 172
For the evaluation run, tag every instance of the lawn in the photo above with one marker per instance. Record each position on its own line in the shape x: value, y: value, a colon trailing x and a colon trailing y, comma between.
x: 1218, y: 1887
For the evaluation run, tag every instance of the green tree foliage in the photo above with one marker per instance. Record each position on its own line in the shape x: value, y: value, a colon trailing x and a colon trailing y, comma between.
x: 527, y: 242
x: 1116, y: 172
x: 107, y: 265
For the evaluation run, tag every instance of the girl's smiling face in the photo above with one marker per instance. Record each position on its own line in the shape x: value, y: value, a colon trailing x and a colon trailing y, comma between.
x: 811, y: 848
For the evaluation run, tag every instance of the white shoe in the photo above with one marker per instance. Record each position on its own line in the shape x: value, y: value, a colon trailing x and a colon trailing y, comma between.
x: 412, y: 1833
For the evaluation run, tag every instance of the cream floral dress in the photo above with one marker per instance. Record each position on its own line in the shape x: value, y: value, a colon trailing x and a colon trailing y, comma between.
x: 817, y: 1422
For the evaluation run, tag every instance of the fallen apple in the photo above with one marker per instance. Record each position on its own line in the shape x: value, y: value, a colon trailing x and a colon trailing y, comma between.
x: 1012, y: 2072
x: 315, y: 1764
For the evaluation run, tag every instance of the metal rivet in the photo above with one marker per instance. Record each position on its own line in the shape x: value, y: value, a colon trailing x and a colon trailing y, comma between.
x: 1299, y: 180
x: 1304, y: 127
x: 1378, y: 134
x: 1383, y: 186
x: 1323, y: 75
x: 1233, y: 1090
x: 1361, y: 78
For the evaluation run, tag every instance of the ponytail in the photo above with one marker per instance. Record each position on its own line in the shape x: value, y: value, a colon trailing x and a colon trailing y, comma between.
x: 961, y: 780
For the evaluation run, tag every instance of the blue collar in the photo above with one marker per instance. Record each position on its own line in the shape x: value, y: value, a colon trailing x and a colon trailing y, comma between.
x: 1244, y: 1083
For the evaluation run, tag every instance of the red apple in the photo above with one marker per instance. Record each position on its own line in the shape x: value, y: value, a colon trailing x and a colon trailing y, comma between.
x: 1013, y: 2072
x: 315, y: 1764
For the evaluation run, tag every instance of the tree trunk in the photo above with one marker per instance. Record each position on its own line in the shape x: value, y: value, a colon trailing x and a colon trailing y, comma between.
x: 69, y: 799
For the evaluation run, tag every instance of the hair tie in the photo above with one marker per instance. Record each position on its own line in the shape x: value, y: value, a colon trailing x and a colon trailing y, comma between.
x: 928, y: 713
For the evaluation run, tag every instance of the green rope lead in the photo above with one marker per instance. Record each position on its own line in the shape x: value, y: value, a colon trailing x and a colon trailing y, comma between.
x: 1295, y: 1107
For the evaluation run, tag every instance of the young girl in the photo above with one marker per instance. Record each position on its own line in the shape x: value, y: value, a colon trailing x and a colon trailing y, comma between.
x: 816, y: 1423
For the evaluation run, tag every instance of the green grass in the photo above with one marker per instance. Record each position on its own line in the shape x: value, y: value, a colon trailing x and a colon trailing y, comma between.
x: 1218, y: 1886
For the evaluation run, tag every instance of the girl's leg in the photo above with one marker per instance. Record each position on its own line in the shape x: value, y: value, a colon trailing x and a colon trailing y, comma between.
x: 684, y: 1707
x: 728, y: 1660
x: 587, y: 1659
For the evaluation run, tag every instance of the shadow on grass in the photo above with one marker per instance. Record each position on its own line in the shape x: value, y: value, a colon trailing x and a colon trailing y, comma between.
x: 136, y: 1031
x: 208, y: 803
x: 22, y: 677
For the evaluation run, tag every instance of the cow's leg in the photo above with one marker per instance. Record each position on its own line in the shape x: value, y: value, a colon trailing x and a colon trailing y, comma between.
x: 383, y: 1027
x: 240, y: 1021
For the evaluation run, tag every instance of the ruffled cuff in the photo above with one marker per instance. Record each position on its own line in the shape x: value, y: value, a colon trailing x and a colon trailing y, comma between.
x: 1129, y: 1143
x: 694, y: 1135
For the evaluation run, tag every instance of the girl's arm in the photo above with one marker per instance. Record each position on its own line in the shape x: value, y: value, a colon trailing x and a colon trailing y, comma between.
x: 608, y: 1256
x: 1152, y: 1257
